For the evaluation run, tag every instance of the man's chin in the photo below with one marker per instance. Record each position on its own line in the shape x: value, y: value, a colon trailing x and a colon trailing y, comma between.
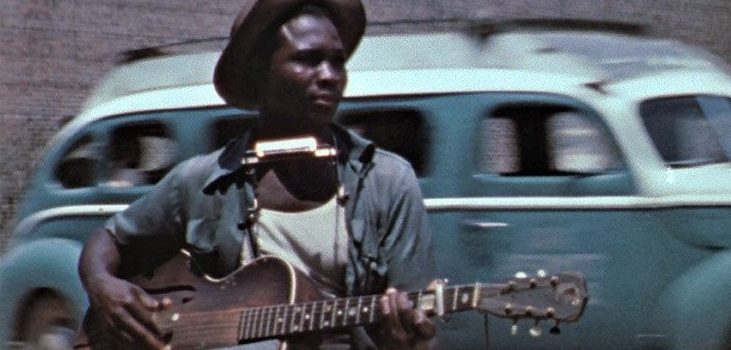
x: 322, y: 115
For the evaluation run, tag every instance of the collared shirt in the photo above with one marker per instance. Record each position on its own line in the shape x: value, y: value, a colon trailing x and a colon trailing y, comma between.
x: 202, y: 205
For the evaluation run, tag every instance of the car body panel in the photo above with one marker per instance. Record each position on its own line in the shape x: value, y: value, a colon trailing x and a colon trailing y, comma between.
x: 651, y: 239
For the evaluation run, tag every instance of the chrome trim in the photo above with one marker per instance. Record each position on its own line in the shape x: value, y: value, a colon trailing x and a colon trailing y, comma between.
x: 449, y: 204
x: 484, y: 224
x: 35, y: 219
x: 572, y: 203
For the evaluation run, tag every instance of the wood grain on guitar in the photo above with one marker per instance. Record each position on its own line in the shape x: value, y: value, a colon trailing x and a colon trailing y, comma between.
x: 269, y: 299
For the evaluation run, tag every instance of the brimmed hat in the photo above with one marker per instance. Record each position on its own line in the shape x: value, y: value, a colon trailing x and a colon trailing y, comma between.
x: 233, y: 76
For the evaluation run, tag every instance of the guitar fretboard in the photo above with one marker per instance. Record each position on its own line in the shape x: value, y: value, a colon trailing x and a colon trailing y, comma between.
x: 281, y: 320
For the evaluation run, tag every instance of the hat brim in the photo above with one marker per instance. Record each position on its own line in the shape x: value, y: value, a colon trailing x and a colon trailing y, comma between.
x: 233, y: 78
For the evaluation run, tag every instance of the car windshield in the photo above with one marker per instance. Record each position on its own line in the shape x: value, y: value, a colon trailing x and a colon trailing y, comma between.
x: 690, y: 130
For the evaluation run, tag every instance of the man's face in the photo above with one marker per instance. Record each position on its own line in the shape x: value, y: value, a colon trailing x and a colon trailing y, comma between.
x: 306, y: 76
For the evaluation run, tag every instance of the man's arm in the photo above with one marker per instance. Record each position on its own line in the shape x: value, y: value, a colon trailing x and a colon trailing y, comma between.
x: 411, y: 267
x: 125, y: 307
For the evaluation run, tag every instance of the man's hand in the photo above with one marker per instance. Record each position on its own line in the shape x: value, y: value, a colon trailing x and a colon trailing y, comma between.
x: 127, y: 311
x: 403, y: 326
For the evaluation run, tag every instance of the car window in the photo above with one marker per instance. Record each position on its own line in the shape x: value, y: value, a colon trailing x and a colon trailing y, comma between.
x: 402, y: 131
x: 78, y: 166
x: 230, y: 127
x: 139, y: 154
x: 543, y: 140
x: 689, y: 130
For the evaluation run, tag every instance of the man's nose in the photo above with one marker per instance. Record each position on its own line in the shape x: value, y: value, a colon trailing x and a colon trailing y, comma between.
x: 329, y: 72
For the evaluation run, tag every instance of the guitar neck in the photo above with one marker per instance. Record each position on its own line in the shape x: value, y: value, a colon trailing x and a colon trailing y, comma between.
x: 196, y: 322
x: 283, y: 320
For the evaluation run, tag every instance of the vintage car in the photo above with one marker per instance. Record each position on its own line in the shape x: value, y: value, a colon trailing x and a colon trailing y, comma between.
x: 620, y: 172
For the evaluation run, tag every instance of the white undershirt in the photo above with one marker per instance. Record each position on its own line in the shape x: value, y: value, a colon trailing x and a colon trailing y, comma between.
x: 313, y: 241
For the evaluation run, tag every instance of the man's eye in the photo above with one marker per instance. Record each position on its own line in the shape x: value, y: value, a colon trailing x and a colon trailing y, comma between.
x: 338, y: 61
x: 310, y: 60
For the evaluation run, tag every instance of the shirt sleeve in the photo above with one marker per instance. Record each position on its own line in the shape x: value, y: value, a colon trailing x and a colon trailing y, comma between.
x: 155, y: 217
x: 409, y: 253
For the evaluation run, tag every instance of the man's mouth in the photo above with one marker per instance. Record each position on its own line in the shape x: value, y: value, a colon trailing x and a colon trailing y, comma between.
x: 327, y: 98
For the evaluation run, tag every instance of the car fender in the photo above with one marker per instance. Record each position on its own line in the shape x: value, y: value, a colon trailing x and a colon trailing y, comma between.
x: 694, y: 311
x: 48, y: 263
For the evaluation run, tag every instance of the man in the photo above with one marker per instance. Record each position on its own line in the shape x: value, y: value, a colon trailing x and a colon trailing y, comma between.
x: 354, y: 224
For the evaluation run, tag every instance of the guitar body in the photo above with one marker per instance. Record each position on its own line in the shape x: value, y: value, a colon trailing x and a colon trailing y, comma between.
x: 269, y: 299
x: 198, y: 300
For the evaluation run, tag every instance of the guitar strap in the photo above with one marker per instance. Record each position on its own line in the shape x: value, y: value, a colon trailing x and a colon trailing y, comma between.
x: 251, y: 210
x: 250, y: 215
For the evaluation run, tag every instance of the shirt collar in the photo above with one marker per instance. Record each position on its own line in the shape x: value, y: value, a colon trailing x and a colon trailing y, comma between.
x: 352, y: 149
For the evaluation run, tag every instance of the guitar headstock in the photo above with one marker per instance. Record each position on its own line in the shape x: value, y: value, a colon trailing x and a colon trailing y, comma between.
x: 559, y: 297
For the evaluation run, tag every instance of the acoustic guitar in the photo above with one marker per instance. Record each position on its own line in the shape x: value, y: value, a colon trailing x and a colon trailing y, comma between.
x: 269, y: 299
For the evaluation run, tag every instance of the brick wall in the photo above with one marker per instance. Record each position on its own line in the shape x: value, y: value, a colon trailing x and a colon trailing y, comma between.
x: 52, y: 51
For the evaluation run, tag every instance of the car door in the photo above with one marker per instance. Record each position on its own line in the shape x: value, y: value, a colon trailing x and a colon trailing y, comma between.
x: 548, y: 190
x: 519, y: 184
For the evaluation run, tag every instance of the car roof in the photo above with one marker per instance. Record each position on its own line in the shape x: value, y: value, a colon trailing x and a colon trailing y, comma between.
x: 382, y: 65
x: 672, y: 83
x: 606, y: 55
x: 403, y: 64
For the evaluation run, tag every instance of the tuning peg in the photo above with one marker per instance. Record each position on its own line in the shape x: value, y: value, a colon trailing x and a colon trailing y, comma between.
x: 536, y: 330
x: 541, y: 273
x: 555, y: 330
x: 521, y: 275
x: 554, y: 281
x: 508, y: 309
x: 514, y: 328
x: 510, y: 286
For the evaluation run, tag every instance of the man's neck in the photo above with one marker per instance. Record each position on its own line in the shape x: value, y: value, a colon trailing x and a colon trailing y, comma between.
x: 270, y: 130
x: 295, y: 185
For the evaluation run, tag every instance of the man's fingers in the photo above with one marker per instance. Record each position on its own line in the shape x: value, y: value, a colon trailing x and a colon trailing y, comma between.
x: 403, y: 326
x: 132, y: 331
x: 406, y: 311
x: 150, y: 303
x: 423, y: 326
x: 115, y: 323
x: 434, y: 283
x: 165, y: 303
x: 143, y: 335
x: 145, y: 314
x: 403, y: 301
x: 390, y: 311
